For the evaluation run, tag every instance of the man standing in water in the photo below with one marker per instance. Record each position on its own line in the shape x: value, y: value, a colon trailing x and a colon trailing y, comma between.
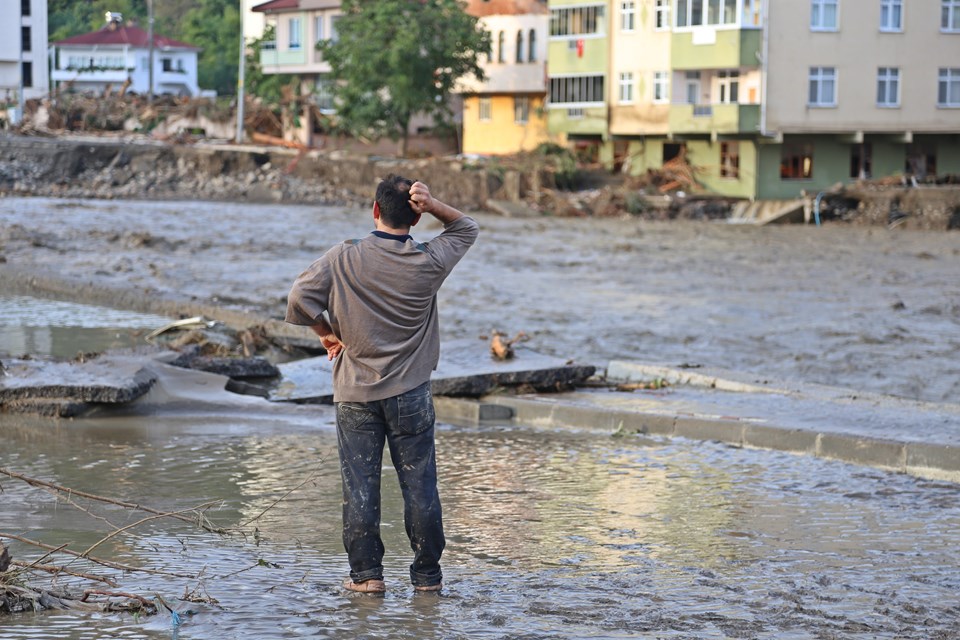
x: 379, y: 294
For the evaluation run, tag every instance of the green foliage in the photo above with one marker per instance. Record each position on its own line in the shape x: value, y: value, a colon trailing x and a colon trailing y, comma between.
x: 214, y: 26
x: 395, y: 58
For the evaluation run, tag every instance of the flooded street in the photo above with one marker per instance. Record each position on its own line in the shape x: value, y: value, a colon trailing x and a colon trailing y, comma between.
x: 550, y: 533
x: 860, y: 307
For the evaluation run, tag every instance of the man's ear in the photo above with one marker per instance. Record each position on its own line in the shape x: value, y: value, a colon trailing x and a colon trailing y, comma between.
x: 416, y: 219
x: 376, y: 210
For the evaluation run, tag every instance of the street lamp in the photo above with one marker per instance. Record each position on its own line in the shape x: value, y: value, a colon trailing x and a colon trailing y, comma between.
x: 240, y: 79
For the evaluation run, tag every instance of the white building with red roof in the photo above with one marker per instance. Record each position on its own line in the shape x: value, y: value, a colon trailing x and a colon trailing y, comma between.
x: 23, y: 50
x: 118, y: 52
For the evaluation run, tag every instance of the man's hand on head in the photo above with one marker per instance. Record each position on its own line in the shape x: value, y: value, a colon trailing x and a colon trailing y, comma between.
x: 420, y: 199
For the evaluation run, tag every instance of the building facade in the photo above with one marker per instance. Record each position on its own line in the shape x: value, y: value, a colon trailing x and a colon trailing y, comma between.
x: 23, y: 50
x: 506, y: 112
x: 766, y: 98
x: 119, y: 53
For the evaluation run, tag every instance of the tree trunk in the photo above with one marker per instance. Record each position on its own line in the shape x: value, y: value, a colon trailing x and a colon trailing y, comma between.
x: 4, y: 558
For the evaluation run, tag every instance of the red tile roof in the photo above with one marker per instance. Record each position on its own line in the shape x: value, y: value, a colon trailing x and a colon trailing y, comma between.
x: 481, y: 8
x: 275, y: 5
x: 129, y: 34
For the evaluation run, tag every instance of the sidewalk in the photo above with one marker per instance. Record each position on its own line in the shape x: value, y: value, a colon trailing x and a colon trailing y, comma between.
x: 891, y: 433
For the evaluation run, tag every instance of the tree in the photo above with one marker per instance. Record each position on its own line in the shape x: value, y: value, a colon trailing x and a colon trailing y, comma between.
x: 266, y: 86
x: 395, y: 58
x: 214, y: 26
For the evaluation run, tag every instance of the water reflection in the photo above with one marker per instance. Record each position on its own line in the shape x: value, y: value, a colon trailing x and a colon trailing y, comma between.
x: 550, y: 534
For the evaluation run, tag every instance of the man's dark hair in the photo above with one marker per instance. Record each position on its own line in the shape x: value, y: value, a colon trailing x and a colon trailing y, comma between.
x: 393, y: 196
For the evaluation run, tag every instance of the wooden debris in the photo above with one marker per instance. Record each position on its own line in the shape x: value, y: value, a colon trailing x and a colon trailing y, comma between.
x: 502, y: 349
x: 656, y: 383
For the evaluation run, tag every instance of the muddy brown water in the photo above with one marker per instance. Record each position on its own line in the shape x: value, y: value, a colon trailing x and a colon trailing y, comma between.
x: 551, y: 534
x: 861, y: 307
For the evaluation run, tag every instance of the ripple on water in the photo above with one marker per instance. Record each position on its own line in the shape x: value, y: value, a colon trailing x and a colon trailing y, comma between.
x: 550, y: 534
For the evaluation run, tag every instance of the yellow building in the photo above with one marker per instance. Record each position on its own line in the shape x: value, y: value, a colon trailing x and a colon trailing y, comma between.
x: 506, y: 113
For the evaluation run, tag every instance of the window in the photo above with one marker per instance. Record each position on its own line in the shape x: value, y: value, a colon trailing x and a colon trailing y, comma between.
x: 627, y: 15
x: 891, y: 15
x: 823, y: 87
x: 823, y: 15
x: 700, y: 13
x: 728, y: 82
x: 692, y: 87
x: 729, y: 159
x: 796, y: 162
x: 626, y: 88
x: 294, y: 24
x: 950, y: 15
x: 521, y: 109
x: 948, y: 91
x: 661, y: 86
x: 888, y: 87
x: 501, y: 47
x: 24, y: 7
x: 575, y: 114
x: 861, y: 161
x: 26, y: 41
x: 166, y: 64
x: 318, y: 28
x: 519, y: 46
x: 576, y: 90
x: 323, y: 95
x: 662, y: 20
x: 921, y: 160
x: 577, y: 21
x: 532, y: 46
x: 27, y: 71
x: 751, y: 13
x: 486, y: 109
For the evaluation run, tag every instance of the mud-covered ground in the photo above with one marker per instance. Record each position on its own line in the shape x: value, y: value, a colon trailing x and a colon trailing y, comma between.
x: 866, y: 308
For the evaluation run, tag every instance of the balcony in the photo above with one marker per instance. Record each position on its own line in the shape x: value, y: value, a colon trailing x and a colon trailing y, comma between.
x: 709, y: 119
x: 91, y: 74
x: 712, y: 48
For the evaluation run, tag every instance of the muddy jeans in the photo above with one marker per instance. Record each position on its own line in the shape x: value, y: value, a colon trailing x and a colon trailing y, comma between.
x: 406, y: 423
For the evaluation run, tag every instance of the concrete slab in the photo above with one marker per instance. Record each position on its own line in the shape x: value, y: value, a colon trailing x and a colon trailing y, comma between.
x: 67, y: 389
x: 466, y: 369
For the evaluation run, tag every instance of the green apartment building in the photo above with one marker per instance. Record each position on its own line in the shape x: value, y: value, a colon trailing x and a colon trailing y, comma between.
x: 766, y: 98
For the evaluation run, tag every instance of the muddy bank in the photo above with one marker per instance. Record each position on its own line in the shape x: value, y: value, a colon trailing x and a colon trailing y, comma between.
x: 136, y: 167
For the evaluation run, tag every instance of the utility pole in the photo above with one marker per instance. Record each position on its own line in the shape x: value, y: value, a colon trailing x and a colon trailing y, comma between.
x: 240, y: 79
x: 21, y: 103
x: 150, y: 38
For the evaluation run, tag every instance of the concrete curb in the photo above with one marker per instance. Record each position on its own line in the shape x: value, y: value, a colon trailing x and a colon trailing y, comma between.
x: 932, y: 461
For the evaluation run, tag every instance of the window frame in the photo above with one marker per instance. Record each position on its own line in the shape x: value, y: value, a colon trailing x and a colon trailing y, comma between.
x: 577, y: 85
x: 818, y: 75
x: 566, y: 23
x: 886, y: 76
x: 625, y: 86
x: 733, y: 172
x: 947, y: 78
x: 518, y: 54
x: 628, y: 9
x: 661, y: 79
x: 485, y: 109
x: 949, y: 16
x: 799, y: 152
x: 662, y: 12
x: 532, y: 46
x: 887, y: 7
x: 294, y: 36
x: 693, y: 14
x: 502, y: 47
x: 521, y: 109
x: 817, y: 8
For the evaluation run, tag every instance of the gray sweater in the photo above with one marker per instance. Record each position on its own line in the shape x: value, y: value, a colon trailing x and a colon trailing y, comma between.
x: 380, y: 294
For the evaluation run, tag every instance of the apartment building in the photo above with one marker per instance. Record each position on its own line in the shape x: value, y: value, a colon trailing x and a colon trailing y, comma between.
x: 505, y: 113
x: 767, y: 98
x: 23, y: 50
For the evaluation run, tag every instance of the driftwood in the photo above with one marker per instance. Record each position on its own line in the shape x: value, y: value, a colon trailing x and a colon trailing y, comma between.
x: 501, y: 348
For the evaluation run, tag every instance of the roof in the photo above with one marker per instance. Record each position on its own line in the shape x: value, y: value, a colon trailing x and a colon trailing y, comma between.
x: 124, y: 35
x: 481, y: 8
x: 276, y: 5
